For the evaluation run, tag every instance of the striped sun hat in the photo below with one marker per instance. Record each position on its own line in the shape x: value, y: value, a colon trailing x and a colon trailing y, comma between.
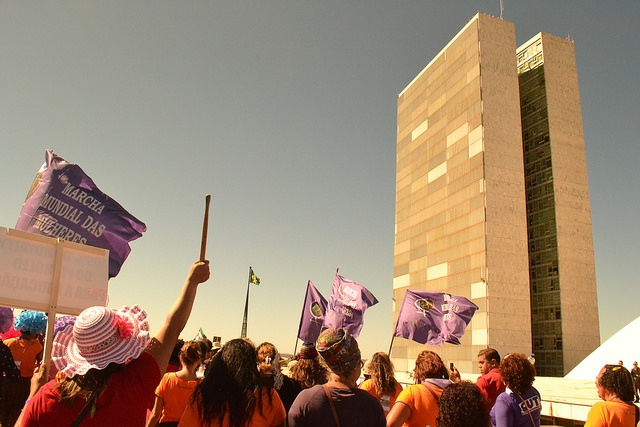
x: 100, y: 336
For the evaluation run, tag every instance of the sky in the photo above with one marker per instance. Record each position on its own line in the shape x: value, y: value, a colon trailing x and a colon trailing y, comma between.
x: 285, y: 112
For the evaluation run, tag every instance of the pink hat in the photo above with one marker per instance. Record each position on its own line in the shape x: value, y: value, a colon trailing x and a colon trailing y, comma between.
x: 100, y: 336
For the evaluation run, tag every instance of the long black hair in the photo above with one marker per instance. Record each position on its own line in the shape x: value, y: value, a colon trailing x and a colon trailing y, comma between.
x: 232, y: 383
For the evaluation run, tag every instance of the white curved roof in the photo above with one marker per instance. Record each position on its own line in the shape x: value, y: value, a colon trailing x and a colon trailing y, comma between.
x: 623, y: 345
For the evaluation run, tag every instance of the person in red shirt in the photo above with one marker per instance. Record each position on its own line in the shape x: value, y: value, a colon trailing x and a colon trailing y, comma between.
x: 490, y: 381
x: 110, y: 363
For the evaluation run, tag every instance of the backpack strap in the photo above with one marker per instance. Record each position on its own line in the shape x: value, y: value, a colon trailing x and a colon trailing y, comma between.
x: 333, y: 408
x: 433, y: 393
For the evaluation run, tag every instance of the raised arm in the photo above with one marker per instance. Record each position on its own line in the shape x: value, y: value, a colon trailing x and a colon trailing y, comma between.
x: 163, y: 342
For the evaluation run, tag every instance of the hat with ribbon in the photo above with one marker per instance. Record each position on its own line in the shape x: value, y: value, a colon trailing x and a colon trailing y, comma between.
x: 308, y: 351
x: 100, y: 336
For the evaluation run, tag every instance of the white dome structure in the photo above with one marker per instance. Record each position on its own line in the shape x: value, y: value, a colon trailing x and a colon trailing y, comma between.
x: 623, y: 345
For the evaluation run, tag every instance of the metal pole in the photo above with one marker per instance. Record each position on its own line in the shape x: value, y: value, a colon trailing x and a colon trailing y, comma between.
x: 243, y: 334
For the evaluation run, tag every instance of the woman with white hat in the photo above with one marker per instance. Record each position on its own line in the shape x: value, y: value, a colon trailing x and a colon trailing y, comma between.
x: 112, y: 366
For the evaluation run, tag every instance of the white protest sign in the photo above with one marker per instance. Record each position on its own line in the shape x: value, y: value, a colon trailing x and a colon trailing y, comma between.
x: 27, y: 264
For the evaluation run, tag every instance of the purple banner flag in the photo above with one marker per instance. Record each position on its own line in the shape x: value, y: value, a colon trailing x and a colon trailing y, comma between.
x: 433, y: 317
x: 65, y: 203
x: 315, y: 306
x: 347, y: 304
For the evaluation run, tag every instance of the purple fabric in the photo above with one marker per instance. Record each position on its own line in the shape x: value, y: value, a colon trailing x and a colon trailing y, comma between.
x: 313, y: 311
x: 433, y: 317
x: 64, y: 202
x: 347, y: 304
x: 62, y: 323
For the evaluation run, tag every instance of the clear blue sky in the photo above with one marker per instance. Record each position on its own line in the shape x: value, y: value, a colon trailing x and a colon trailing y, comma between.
x: 284, y: 111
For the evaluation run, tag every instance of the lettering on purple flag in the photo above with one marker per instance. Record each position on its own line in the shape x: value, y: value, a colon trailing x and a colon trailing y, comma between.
x: 347, y: 304
x: 65, y: 203
x: 313, y: 311
x: 433, y: 317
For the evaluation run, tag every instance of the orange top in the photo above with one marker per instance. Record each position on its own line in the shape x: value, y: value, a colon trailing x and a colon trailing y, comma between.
x: 611, y: 414
x: 272, y: 414
x: 386, y: 400
x: 25, y: 352
x: 175, y: 394
x: 424, y: 407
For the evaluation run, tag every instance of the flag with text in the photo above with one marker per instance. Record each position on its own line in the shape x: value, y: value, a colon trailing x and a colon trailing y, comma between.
x: 347, y: 304
x: 433, y: 317
x: 65, y: 203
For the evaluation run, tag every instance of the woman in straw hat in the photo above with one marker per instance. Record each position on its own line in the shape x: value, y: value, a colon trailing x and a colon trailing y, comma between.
x: 111, y: 365
x: 233, y: 394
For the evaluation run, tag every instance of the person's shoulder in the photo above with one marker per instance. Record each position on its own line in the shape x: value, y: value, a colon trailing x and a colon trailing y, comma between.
x: 367, y: 385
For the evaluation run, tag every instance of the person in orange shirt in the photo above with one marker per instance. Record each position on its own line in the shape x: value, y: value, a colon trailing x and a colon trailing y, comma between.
x: 232, y: 392
x: 615, y: 388
x: 382, y: 384
x: 417, y: 405
x: 26, y: 351
x: 175, y: 388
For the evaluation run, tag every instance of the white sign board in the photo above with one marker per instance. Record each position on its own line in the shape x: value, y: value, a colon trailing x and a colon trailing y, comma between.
x: 27, y: 263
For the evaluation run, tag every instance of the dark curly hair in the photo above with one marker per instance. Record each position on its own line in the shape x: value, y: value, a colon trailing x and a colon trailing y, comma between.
x: 617, y: 379
x: 462, y: 405
x: 429, y: 365
x: 382, y: 374
x: 517, y: 372
x: 231, y: 384
x: 309, y: 372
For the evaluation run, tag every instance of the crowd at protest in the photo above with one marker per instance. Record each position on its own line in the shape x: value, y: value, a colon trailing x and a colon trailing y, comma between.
x: 108, y: 370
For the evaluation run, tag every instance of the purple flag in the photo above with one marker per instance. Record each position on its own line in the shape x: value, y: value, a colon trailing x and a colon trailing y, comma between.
x: 65, y: 203
x: 433, y: 317
x: 315, y: 306
x: 347, y: 304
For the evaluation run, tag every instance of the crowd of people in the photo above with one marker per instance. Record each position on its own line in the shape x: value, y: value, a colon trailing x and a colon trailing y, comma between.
x: 107, y: 370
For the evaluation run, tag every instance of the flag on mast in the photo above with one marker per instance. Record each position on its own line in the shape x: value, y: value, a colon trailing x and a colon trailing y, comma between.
x: 312, y: 317
x: 347, y: 304
x: 253, y: 278
x: 65, y: 203
x: 433, y: 318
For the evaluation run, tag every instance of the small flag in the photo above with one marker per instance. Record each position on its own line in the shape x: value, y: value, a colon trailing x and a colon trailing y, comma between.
x: 313, y: 311
x: 347, y: 304
x: 65, y: 203
x: 253, y: 278
x: 200, y: 336
x: 433, y: 317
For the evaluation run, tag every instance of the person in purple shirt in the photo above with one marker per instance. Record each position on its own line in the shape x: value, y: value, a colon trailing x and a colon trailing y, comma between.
x: 520, y: 404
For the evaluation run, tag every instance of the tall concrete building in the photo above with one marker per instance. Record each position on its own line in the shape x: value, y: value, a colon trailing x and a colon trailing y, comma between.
x: 470, y: 220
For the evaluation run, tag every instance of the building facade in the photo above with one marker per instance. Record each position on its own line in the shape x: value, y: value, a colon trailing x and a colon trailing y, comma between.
x: 464, y: 220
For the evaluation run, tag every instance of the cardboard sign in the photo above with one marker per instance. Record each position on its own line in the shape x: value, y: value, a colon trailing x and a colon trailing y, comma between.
x: 28, y: 265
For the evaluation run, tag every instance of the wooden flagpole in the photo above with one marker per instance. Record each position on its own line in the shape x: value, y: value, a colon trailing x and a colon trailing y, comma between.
x: 205, y: 228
